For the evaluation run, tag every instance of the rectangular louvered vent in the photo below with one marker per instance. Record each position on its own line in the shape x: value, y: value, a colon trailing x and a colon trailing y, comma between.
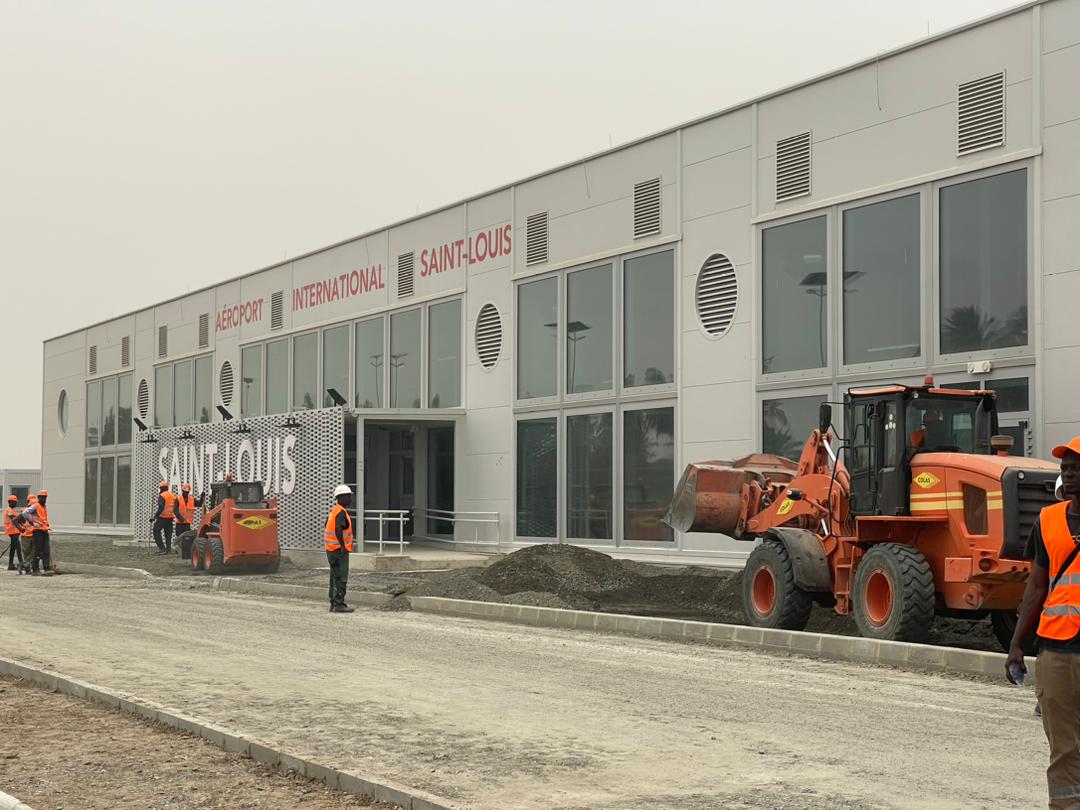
x: 125, y: 351
x: 92, y: 360
x: 277, y: 309
x: 536, y: 238
x: 647, y: 208
x: 980, y: 117
x: 405, y: 274
x: 162, y: 341
x: 793, y: 167
x: 204, y: 330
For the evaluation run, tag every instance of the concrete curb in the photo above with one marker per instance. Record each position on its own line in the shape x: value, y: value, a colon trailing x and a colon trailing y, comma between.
x: 11, y: 803
x: 854, y: 649
x: 406, y: 797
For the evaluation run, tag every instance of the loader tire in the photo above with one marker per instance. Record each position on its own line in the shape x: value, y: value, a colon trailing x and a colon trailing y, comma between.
x: 214, y: 557
x: 272, y: 568
x: 184, y: 543
x: 197, y: 554
x: 1004, y: 624
x: 770, y: 597
x: 893, y: 593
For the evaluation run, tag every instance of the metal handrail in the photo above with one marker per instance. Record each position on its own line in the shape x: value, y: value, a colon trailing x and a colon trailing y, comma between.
x: 384, y: 516
x: 457, y: 516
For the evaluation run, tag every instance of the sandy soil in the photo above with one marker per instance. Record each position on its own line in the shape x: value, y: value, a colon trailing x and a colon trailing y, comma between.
x: 495, y: 716
x: 60, y: 752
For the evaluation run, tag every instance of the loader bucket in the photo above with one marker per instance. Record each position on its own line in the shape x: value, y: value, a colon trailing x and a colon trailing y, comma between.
x: 708, y: 497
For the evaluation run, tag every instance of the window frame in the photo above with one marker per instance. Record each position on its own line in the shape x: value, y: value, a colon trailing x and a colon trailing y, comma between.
x: 292, y: 338
x: 564, y: 313
x: 620, y: 453
x: 422, y: 374
x: 384, y: 371
x: 1012, y: 352
x: 556, y: 398
x: 462, y: 345
x: 590, y: 409
x: 659, y: 389
x: 829, y: 391
x: 560, y: 475
x: 350, y: 349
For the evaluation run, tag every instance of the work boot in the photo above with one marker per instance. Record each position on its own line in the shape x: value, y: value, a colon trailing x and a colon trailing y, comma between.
x: 35, y: 573
x: 341, y: 609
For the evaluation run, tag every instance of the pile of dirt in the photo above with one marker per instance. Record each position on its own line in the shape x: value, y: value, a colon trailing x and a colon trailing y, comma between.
x: 459, y: 584
x: 563, y: 570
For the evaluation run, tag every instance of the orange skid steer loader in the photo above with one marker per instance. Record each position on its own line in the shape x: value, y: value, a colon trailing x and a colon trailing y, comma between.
x: 238, y: 529
x: 924, y: 513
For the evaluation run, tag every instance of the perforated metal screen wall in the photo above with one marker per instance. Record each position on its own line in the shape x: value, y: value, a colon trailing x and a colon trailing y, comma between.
x: 300, y: 465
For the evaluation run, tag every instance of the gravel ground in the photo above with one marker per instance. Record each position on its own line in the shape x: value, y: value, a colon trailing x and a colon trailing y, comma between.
x: 504, y: 717
x: 61, y: 752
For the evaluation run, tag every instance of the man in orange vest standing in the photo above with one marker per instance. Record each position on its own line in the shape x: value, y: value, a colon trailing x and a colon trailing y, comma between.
x: 339, y: 544
x: 27, y: 536
x: 37, y: 515
x: 11, y: 531
x: 186, y: 504
x: 164, y: 515
x: 1052, y: 602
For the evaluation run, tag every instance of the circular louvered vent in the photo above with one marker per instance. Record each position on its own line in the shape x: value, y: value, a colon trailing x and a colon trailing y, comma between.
x: 225, y: 384
x: 62, y: 412
x: 488, y: 335
x: 717, y: 294
x: 142, y: 400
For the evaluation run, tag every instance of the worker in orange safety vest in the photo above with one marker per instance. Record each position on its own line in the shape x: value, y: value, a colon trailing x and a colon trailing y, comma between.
x: 186, y: 504
x: 27, y: 537
x: 1052, y: 602
x: 162, y: 520
x: 339, y: 544
x: 36, y: 515
x: 11, y: 531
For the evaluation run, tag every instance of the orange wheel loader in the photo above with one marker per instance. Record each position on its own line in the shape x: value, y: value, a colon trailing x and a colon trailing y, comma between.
x: 238, y: 529
x: 923, y: 513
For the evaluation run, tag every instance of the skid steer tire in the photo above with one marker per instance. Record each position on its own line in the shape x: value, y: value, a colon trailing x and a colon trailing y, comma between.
x: 893, y: 594
x: 197, y: 554
x: 215, y: 555
x: 184, y: 543
x: 1004, y: 624
x: 770, y: 597
x: 272, y: 568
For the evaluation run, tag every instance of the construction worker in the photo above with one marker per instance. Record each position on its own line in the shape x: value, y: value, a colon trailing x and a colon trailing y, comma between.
x: 339, y: 544
x: 27, y: 536
x: 37, y: 514
x: 1052, y: 603
x: 164, y: 515
x: 186, y: 504
x: 11, y: 531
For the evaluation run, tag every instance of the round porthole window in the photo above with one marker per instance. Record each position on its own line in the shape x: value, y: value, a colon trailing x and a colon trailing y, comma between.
x: 62, y: 413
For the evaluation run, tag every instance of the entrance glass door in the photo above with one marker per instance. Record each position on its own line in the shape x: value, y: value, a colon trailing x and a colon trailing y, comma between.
x: 440, y: 477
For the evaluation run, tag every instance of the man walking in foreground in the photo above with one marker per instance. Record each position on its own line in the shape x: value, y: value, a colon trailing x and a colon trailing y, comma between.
x: 1052, y: 601
x: 339, y: 544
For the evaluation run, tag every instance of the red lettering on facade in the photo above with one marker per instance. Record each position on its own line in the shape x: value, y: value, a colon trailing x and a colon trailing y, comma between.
x: 338, y: 288
x: 231, y: 317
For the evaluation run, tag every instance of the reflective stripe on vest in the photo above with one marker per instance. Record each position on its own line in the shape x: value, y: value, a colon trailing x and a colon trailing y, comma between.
x: 41, y: 524
x: 1060, y: 619
x: 185, y: 509
x: 332, y: 543
x: 169, y: 512
x: 9, y: 523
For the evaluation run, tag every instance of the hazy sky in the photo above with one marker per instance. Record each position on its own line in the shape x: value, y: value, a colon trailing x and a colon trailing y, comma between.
x: 150, y: 147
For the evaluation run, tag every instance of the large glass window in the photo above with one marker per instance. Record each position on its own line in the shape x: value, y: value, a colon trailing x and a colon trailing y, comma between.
x: 90, y: 491
x: 123, y: 490
x: 786, y: 424
x: 405, y: 359
x: 984, y: 264
x: 444, y: 354
x: 589, y: 509
x: 649, y: 321
x: 277, y: 377
x: 183, y: 393
x: 204, y: 388
x: 588, y: 330
x: 251, y: 378
x: 109, y: 392
x: 335, y: 363
x: 537, y: 477
x: 93, y: 414
x: 369, y: 363
x: 648, y: 472
x: 794, y: 281
x: 882, y: 281
x: 537, y: 331
x: 163, y: 397
x: 123, y: 425
x: 107, y: 490
x: 306, y: 371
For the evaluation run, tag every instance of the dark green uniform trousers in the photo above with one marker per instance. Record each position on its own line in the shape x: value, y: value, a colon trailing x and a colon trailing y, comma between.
x: 339, y: 575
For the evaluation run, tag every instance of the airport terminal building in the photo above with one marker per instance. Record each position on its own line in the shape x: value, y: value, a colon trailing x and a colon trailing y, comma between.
x: 538, y: 363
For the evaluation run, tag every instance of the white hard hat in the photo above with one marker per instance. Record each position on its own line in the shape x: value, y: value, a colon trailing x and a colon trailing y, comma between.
x: 1059, y: 492
x: 342, y: 490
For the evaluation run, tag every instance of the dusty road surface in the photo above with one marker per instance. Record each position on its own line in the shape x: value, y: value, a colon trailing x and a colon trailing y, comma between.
x: 497, y: 716
x: 59, y: 751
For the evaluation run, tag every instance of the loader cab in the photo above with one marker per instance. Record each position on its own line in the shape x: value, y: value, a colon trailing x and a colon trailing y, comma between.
x: 885, y: 428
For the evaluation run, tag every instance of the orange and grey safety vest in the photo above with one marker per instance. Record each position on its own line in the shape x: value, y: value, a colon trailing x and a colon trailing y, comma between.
x: 10, y: 529
x: 169, y: 511
x: 1061, y: 610
x: 332, y: 543
x: 28, y: 526
x: 185, y: 509
x: 38, y: 515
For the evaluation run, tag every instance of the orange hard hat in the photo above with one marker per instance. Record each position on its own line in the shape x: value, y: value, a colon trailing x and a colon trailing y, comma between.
x: 43, y: 494
x: 163, y: 485
x: 31, y: 498
x: 13, y: 498
x: 186, y: 487
x: 1072, y: 446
